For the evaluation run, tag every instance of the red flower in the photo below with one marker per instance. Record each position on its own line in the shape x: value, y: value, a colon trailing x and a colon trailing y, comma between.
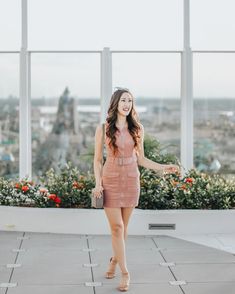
x: 75, y: 184
x: 78, y: 185
x: 17, y: 186
x: 52, y: 196
x: 188, y: 180
x: 25, y: 188
x: 183, y: 187
x: 57, y: 200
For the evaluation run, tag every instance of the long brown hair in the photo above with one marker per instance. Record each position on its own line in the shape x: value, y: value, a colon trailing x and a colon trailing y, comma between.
x: 132, y: 121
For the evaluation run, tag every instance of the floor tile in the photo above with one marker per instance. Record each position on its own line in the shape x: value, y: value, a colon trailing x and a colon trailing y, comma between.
x: 205, y: 272
x: 42, y: 274
x: 56, y: 257
x: 209, y: 288
x: 173, y: 243
x: 198, y: 256
x: 61, y: 289
x: 206, y: 240
x: 7, y: 255
x: 5, y: 274
x: 9, y: 235
x: 226, y: 240
x: 41, y: 240
x: 161, y: 288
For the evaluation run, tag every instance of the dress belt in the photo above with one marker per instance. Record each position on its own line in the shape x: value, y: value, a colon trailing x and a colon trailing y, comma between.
x: 121, y: 160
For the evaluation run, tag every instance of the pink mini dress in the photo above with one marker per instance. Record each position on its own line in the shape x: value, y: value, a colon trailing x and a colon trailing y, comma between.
x: 121, y: 176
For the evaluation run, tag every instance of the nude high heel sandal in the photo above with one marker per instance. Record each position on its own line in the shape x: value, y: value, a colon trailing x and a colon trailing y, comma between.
x: 110, y: 274
x: 125, y: 282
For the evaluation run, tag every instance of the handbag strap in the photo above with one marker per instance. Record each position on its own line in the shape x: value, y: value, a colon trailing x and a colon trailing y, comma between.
x: 102, y: 163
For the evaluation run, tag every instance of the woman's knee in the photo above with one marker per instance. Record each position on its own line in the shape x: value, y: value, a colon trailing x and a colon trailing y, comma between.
x: 117, y: 229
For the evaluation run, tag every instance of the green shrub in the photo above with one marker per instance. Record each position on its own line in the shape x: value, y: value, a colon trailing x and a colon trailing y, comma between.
x: 194, y: 191
x: 69, y: 188
x: 19, y: 193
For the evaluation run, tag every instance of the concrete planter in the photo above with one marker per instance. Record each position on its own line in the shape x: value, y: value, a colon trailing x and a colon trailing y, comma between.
x: 92, y: 221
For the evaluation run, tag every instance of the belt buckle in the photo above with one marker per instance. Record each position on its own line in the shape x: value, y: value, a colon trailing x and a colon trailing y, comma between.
x: 120, y: 160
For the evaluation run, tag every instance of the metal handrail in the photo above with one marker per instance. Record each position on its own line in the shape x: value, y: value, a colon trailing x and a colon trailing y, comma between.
x: 9, y: 51
x: 120, y: 51
x: 213, y: 51
x: 65, y: 51
x: 146, y: 51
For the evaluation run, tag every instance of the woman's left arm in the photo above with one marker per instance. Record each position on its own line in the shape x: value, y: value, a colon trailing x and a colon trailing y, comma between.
x: 147, y: 163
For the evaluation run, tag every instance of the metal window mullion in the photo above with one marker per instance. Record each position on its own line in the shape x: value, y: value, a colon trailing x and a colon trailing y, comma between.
x: 29, y: 129
x: 106, y: 82
x: 186, y: 111
x: 24, y: 115
x: 186, y: 96
x: 24, y: 108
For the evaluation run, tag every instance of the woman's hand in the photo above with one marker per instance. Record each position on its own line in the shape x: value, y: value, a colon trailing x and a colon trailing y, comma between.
x: 97, y: 191
x: 172, y: 168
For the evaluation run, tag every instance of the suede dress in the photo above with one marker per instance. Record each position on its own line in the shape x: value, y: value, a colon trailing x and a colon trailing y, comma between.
x: 121, y: 176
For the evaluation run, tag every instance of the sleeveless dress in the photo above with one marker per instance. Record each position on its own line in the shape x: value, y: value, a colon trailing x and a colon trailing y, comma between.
x: 121, y: 176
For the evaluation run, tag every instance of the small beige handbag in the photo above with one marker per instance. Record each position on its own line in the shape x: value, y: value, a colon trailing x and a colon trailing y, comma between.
x: 95, y: 201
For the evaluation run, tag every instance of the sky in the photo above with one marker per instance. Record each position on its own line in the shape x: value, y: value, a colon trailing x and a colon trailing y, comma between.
x: 119, y: 25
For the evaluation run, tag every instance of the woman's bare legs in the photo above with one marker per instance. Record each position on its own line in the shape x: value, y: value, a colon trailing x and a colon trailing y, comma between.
x: 126, y: 213
x: 118, y: 220
x: 114, y: 216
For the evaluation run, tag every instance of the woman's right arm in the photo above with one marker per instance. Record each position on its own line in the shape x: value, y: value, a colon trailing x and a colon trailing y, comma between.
x: 98, y: 161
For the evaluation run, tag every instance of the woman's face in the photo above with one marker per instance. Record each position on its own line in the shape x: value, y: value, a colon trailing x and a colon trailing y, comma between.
x: 125, y: 104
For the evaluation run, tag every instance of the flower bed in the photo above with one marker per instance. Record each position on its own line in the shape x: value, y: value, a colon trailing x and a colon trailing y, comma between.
x: 70, y: 189
x: 194, y: 191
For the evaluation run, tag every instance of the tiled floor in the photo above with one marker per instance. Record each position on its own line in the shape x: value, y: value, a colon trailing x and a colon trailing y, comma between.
x: 42, y: 263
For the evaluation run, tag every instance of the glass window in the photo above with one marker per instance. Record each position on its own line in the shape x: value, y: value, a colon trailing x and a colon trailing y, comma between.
x: 118, y: 24
x: 9, y: 115
x: 214, y: 112
x: 154, y: 80
x: 212, y: 24
x: 10, y: 25
x: 65, y: 109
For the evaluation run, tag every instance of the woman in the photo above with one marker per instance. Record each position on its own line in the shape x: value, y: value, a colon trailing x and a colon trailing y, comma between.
x: 124, y: 137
